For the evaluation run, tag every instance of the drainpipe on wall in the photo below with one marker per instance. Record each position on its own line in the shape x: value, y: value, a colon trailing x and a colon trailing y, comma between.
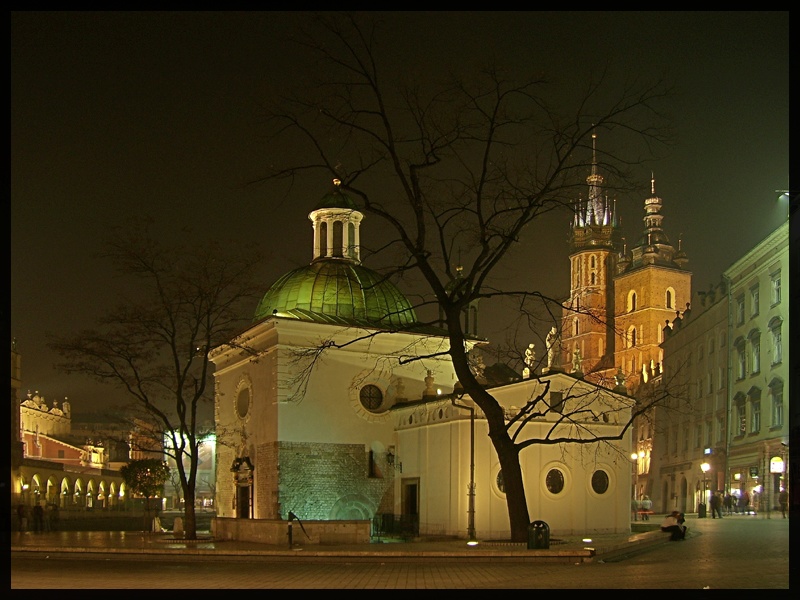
x: 729, y: 382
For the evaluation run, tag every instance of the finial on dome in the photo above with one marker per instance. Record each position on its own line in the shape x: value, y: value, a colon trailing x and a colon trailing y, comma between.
x: 337, y: 182
x: 652, y: 183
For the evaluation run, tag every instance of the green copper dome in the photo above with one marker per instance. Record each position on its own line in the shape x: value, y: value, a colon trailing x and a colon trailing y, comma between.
x: 337, y: 291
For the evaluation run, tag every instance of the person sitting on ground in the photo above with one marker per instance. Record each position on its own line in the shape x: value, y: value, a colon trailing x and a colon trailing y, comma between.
x: 673, y: 524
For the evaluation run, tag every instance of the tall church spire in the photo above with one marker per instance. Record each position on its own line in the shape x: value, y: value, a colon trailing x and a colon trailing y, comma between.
x: 596, y: 210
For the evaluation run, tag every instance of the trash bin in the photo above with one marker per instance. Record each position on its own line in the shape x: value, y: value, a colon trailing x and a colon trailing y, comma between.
x: 701, y: 510
x: 538, y: 536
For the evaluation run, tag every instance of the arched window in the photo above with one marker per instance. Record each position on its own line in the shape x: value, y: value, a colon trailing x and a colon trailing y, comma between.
x: 323, y: 239
x: 631, y: 301
x: 338, y: 238
x: 669, y: 299
x: 631, y: 337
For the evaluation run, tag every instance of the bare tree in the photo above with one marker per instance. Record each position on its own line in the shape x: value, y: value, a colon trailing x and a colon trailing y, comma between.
x: 460, y: 173
x: 186, y: 300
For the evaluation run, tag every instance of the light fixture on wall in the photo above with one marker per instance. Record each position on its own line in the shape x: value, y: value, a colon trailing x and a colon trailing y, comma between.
x: 390, y: 460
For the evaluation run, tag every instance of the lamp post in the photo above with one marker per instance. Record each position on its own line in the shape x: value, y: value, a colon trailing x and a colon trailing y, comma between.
x: 472, y: 540
x: 701, y: 509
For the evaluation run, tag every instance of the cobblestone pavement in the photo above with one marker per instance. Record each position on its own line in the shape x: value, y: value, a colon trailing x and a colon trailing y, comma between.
x: 739, y: 552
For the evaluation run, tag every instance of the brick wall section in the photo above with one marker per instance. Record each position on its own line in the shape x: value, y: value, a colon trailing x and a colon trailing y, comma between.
x: 330, y: 481
x: 266, y: 480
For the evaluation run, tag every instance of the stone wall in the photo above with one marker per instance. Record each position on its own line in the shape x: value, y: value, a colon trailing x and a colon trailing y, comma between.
x: 269, y: 531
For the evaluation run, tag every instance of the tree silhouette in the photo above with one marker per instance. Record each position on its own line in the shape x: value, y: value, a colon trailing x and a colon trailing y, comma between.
x: 459, y: 172
x: 188, y: 298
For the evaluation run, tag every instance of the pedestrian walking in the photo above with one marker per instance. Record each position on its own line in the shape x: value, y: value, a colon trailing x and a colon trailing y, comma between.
x: 647, y: 508
x: 38, y: 517
x: 716, y: 505
x: 744, y: 501
x: 22, y: 517
x: 55, y: 517
x: 783, y: 499
x: 727, y: 503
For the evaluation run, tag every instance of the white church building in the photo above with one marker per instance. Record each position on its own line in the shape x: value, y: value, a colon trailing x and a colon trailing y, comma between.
x: 325, y: 411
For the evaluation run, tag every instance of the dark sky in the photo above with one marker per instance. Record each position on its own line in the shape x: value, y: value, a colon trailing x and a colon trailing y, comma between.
x: 115, y: 114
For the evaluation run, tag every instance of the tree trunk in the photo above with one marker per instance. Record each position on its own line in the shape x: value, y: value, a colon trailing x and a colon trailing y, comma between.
x: 190, y: 521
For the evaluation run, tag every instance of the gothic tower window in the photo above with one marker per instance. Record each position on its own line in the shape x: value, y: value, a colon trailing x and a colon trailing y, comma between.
x: 670, y: 298
x: 632, y: 337
x: 631, y: 301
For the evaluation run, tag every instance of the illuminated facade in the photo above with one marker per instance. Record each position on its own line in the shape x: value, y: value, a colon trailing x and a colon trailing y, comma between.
x: 732, y: 360
x: 336, y: 415
x: 49, y: 466
x: 620, y: 298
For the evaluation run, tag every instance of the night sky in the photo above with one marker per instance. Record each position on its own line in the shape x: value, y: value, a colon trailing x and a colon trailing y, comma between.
x: 115, y: 114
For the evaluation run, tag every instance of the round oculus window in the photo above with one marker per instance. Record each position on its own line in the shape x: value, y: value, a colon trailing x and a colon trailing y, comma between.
x: 243, y: 402
x: 554, y: 481
x: 600, y: 482
x: 371, y: 397
x: 500, y: 482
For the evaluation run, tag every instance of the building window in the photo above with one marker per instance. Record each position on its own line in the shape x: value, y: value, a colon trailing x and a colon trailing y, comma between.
x: 669, y: 298
x: 554, y: 481
x: 720, y: 429
x: 600, y: 482
x: 675, y: 441
x: 632, y: 337
x: 698, y: 435
x: 371, y: 397
x: 685, y: 439
x: 710, y: 388
x: 721, y: 377
x: 708, y: 433
x: 755, y: 351
x: 500, y: 482
x: 741, y: 360
x: 755, y: 416
x: 775, y: 285
x: 740, y: 310
x: 631, y: 301
x: 700, y: 352
x: 754, y: 300
x: 243, y: 402
x: 575, y: 327
x: 711, y: 346
x: 776, y: 394
x: 777, y: 349
x: 741, y: 416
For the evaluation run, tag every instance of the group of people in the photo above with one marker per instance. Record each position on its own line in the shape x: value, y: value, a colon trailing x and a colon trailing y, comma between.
x: 643, y: 508
x: 44, y: 517
x: 673, y: 524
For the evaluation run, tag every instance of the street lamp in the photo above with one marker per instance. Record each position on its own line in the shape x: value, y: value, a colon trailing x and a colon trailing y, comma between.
x: 701, y: 510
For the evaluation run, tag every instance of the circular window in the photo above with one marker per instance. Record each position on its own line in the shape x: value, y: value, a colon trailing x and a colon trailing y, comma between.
x: 600, y: 482
x: 554, y: 481
x: 501, y: 484
x: 371, y: 397
x: 243, y: 402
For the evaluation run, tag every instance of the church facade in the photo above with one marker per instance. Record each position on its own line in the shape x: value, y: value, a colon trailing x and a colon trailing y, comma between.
x: 336, y: 404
